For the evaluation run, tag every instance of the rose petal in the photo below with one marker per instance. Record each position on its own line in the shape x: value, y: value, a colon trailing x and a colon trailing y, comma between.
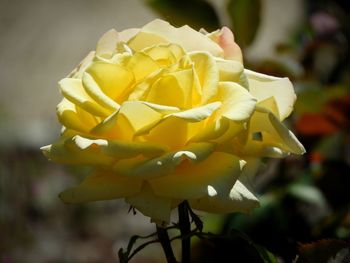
x: 165, y: 55
x: 71, y: 116
x: 207, y: 73
x: 107, y: 44
x: 66, y: 151
x: 172, y: 132
x: 237, y: 103
x: 141, y: 65
x: 191, y: 180
x: 94, y: 90
x: 230, y: 70
x: 149, y: 204
x: 140, y: 116
x: 249, y: 172
x: 276, y: 141
x: 161, y: 32
x: 163, y: 109
x: 289, y: 139
x: 102, y: 185
x: 99, y: 151
x: 263, y: 86
x: 179, y: 84
x: 127, y: 34
x: 165, y: 164
x: 271, y: 105
x: 112, y: 79
x: 212, y: 131
x: 114, y: 127
x: 237, y: 199
x: 234, y: 128
x: 197, y: 114
x: 73, y: 90
x: 227, y: 42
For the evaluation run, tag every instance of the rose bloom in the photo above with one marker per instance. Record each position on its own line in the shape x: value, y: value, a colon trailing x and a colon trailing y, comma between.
x: 164, y: 114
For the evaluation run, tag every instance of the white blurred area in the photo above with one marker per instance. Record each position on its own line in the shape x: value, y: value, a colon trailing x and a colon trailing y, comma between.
x: 41, y: 41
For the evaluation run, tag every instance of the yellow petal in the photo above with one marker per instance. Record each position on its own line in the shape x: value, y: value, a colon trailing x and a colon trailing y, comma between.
x: 127, y: 34
x: 197, y: 114
x: 149, y: 204
x: 289, y: 139
x: 134, y: 118
x: 207, y: 73
x: 234, y: 128
x: 161, y: 32
x: 237, y: 199
x: 107, y: 44
x: 73, y: 90
x: 161, y: 54
x: 163, y: 109
x: 112, y: 79
x: 81, y: 150
x: 141, y: 89
x: 141, y: 65
x: 178, y: 84
x: 165, y: 55
x: 119, y: 149
x: 274, y: 139
x: 229, y: 70
x: 195, y: 180
x: 237, y: 103
x: 271, y: 105
x: 263, y: 86
x: 74, y: 118
x: 114, y: 127
x: 177, y: 51
x: 249, y: 172
x: 165, y: 164
x: 93, y: 89
x: 212, y: 131
x: 102, y: 185
x: 140, y: 116
x: 145, y: 39
x: 66, y: 151
x: 172, y: 132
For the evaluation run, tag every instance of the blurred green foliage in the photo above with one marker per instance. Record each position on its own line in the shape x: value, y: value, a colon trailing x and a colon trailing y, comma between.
x: 245, y: 19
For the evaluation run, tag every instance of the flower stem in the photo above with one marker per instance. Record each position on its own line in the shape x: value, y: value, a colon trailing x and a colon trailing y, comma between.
x: 165, y: 242
x: 185, y: 229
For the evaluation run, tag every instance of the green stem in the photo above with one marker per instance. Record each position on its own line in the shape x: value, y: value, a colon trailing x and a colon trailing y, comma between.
x: 165, y: 242
x: 185, y: 229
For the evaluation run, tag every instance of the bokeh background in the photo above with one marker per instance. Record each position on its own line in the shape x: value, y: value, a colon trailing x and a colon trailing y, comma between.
x: 305, y: 200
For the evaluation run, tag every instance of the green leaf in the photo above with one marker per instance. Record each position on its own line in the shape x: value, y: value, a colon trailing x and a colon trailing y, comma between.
x: 195, y: 13
x: 245, y: 17
x: 265, y: 255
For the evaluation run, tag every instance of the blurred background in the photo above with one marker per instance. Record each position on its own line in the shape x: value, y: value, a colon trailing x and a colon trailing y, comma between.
x: 305, y: 200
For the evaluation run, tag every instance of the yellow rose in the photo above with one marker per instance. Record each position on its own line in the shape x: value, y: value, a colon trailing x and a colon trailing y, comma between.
x: 165, y: 114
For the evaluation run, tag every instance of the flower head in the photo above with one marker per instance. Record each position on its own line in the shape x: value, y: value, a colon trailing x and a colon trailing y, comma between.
x: 165, y: 114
